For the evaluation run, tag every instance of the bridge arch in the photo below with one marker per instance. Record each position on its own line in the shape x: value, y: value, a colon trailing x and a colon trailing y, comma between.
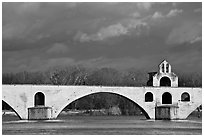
x: 14, y: 110
x: 195, y: 107
x: 142, y: 108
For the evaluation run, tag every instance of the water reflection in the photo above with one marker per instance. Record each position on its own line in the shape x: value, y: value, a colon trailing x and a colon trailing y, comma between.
x: 105, y: 125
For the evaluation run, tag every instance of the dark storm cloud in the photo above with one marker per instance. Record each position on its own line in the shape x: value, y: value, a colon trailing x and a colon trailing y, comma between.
x: 37, y: 36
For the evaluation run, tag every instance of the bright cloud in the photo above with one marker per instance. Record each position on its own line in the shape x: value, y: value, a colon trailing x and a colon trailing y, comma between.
x: 197, y: 39
x: 114, y: 30
x: 157, y: 15
x: 104, y: 33
x: 188, y: 32
x: 174, y: 12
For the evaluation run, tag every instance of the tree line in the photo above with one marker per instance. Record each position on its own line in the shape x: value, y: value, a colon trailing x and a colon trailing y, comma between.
x: 78, y: 75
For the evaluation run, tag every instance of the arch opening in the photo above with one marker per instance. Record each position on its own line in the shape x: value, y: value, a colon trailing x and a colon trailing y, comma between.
x: 39, y: 99
x: 148, y: 97
x: 107, y: 103
x: 166, y: 98
x: 185, y: 97
x: 196, y: 114
x: 165, y: 81
x: 8, y: 113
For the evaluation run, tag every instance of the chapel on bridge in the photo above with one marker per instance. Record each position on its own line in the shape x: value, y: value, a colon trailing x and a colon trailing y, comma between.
x: 163, y: 77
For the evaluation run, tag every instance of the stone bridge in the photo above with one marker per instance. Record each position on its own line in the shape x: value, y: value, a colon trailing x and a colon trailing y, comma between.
x: 182, y: 100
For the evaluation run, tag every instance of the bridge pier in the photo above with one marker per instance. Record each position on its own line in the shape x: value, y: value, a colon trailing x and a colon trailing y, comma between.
x: 39, y: 113
x: 166, y: 112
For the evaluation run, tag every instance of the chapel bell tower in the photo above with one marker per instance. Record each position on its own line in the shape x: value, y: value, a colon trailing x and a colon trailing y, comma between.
x: 163, y: 77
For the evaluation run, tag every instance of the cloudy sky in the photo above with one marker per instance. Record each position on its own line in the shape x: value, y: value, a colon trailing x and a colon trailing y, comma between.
x: 39, y: 36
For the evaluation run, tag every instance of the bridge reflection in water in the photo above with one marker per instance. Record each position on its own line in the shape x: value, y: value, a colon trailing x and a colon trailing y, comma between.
x: 102, y: 125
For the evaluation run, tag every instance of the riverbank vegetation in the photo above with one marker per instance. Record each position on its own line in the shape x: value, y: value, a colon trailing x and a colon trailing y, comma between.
x: 78, y: 75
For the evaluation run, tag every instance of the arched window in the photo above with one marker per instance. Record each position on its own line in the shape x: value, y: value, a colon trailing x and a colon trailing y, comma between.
x: 165, y: 81
x: 39, y: 99
x: 185, y: 97
x: 148, y: 97
x: 166, y: 98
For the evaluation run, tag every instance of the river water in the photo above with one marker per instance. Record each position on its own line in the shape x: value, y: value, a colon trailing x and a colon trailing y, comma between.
x: 101, y: 125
